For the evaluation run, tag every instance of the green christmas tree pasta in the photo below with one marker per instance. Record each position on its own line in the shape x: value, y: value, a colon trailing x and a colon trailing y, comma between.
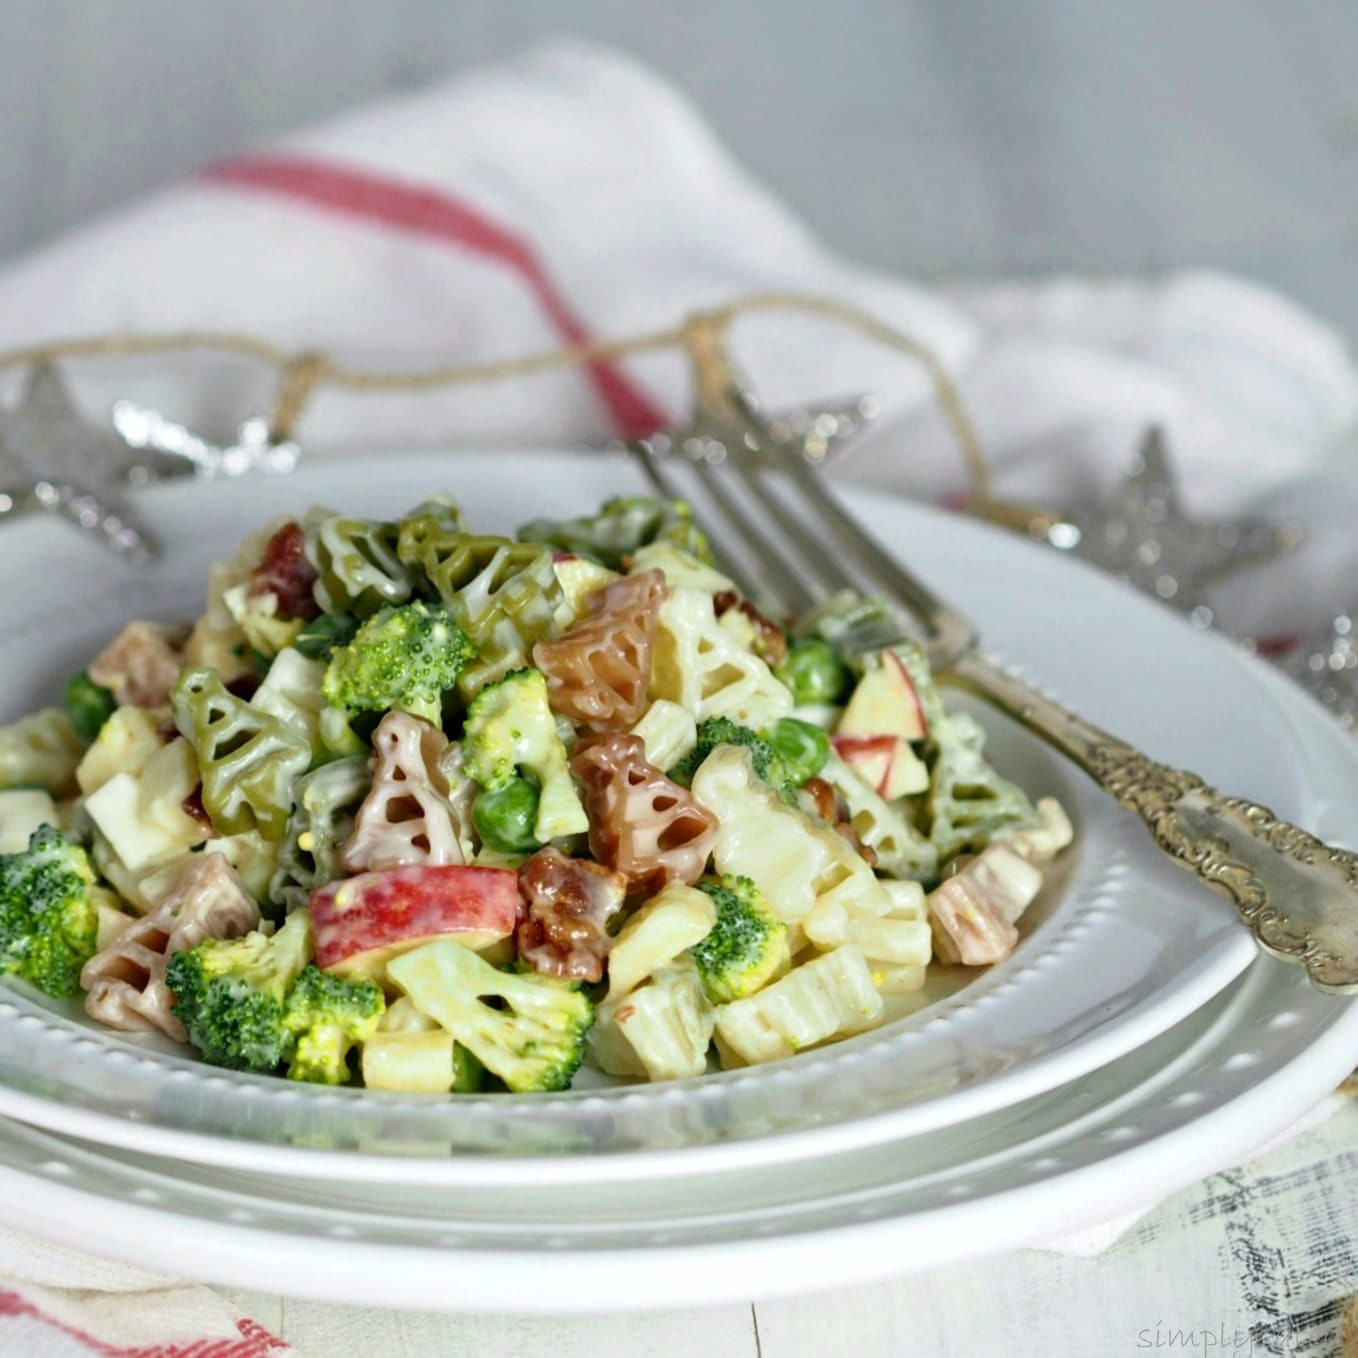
x: 357, y: 566
x: 622, y: 526
x: 503, y: 594
x: 249, y: 759
x: 327, y: 799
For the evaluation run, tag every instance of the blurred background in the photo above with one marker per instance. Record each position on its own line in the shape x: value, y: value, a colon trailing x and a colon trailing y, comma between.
x: 972, y: 137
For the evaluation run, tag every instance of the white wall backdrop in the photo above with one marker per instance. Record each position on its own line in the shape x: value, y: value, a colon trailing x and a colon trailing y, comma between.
x: 956, y: 136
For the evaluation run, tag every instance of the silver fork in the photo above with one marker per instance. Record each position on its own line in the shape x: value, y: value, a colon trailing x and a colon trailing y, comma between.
x: 1298, y: 895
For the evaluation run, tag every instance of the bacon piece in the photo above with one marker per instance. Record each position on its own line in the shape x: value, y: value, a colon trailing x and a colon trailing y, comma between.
x: 641, y: 823
x: 770, y: 639
x: 193, y: 806
x: 831, y: 809
x: 285, y: 573
x: 140, y: 665
x: 570, y: 900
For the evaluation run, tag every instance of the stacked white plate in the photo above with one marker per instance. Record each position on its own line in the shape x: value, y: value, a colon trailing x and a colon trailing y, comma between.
x: 1133, y: 1042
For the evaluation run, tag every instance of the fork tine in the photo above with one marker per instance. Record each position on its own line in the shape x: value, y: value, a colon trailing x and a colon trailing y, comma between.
x: 780, y: 576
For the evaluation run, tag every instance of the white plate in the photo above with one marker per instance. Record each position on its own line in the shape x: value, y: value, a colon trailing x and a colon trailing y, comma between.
x: 1129, y: 949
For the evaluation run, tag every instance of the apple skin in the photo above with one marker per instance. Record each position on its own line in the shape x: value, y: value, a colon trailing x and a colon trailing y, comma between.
x: 360, y: 923
x: 886, y: 763
x: 870, y: 756
x: 885, y: 703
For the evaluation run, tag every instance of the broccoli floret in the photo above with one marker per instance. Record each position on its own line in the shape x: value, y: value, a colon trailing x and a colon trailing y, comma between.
x: 230, y: 994
x: 511, y: 727
x: 327, y: 1016
x: 405, y: 657
x: 768, y: 764
x: 747, y: 944
x: 622, y: 526
x: 48, y: 922
x: 526, y: 1028
x: 319, y: 637
x: 89, y: 706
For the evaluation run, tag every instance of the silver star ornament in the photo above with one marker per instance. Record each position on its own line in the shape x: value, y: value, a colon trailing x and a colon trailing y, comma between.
x: 1325, y: 664
x: 55, y: 460
x: 1143, y: 535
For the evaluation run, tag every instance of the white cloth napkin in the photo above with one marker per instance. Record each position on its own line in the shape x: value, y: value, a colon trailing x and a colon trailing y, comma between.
x: 571, y: 193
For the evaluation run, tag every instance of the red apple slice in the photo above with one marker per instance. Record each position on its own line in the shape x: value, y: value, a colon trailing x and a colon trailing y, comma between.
x: 360, y: 923
x: 885, y: 703
x: 869, y: 756
x: 886, y: 763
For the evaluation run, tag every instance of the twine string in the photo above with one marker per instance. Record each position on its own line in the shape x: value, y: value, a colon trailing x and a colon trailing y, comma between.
x: 702, y: 336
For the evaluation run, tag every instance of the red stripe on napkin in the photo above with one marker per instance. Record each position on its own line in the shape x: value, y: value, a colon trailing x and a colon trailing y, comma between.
x: 255, y: 1340
x: 427, y: 212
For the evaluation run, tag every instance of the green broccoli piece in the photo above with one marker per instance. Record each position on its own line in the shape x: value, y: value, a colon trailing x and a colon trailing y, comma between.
x: 511, y: 727
x: 327, y: 1016
x: 768, y: 764
x: 622, y: 526
x: 89, y: 706
x: 747, y: 944
x: 230, y: 994
x: 526, y: 1028
x: 405, y: 657
x: 47, y: 919
x: 319, y: 637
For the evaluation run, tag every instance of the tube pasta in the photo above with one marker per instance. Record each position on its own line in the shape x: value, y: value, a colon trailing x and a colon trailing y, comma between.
x: 832, y: 996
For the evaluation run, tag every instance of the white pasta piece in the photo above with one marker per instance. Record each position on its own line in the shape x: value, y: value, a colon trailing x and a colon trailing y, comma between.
x: 42, y: 749
x: 660, y: 1031
x: 879, y: 824
x: 579, y: 580
x: 796, y: 862
x: 23, y: 810
x: 898, y: 936
x: 254, y: 858
x: 1041, y: 843
x: 125, y: 982
x: 125, y: 742
x: 170, y: 776
x: 668, y: 731
x: 292, y: 690
x: 666, y: 926
x: 405, y: 819
x: 831, y: 996
x: 698, y: 664
x: 973, y: 912
x: 681, y: 569
x: 111, y: 920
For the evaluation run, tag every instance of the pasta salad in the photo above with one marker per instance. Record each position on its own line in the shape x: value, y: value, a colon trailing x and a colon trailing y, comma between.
x: 440, y: 811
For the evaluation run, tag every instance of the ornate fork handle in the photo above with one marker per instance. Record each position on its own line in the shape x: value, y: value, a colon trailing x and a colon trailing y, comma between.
x: 1298, y: 895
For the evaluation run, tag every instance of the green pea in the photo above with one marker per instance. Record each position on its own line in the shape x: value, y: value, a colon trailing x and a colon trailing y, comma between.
x: 504, y: 819
x: 814, y: 671
x: 88, y: 705
x: 803, y: 748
